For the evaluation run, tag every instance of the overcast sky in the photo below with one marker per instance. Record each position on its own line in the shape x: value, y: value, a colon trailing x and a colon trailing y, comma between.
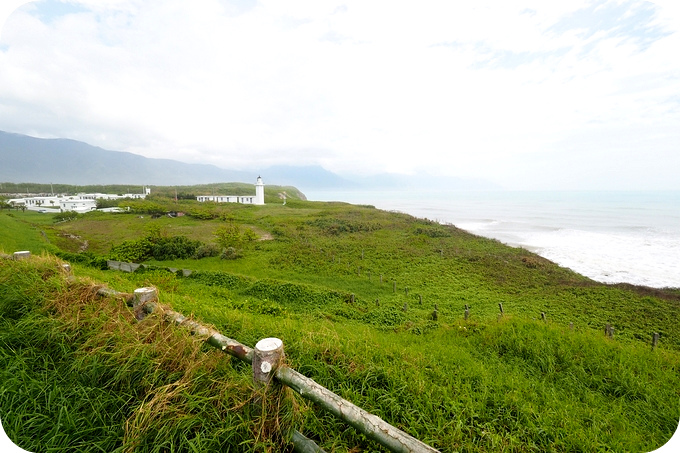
x: 527, y: 94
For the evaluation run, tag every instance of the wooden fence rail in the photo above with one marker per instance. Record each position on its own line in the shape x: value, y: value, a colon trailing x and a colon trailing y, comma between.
x: 144, y: 301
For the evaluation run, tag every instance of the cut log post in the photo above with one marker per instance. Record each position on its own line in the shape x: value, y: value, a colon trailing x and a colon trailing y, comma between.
x: 22, y: 255
x: 143, y: 296
x: 609, y: 330
x: 372, y: 426
x: 266, y: 360
x: 655, y: 339
x: 467, y: 312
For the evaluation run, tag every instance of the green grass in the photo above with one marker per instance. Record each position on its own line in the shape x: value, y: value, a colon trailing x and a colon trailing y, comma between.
x: 514, y: 384
x: 23, y: 231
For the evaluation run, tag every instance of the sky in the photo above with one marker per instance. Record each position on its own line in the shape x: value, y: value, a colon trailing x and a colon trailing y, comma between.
x: 526, y: 94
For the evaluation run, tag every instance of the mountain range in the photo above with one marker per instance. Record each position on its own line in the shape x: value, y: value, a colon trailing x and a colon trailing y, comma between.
x: 29, y: 159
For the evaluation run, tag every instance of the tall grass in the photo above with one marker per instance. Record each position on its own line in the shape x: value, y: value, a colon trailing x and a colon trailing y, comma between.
x: 482, y: 384
x: 80, y: 373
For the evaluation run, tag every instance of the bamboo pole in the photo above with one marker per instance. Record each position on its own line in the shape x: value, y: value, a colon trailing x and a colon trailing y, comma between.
x: 372, y: 426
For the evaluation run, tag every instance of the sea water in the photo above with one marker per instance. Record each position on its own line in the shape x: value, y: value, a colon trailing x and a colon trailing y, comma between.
x: 611, y: 237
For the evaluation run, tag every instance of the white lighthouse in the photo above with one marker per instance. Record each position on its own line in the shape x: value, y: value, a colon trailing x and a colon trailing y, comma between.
x: 259, y: 191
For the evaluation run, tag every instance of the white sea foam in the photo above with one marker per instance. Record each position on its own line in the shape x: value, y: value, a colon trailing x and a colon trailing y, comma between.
x: 612, y: 237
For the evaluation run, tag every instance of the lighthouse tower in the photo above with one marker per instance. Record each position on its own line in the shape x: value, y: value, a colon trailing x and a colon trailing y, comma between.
x: 259, y: 191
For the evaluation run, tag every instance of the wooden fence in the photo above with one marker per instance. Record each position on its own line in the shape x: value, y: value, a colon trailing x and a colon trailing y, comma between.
x: 265, y: 360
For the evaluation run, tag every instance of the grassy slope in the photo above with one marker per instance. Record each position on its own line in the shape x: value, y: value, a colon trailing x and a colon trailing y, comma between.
x: 475, y: 385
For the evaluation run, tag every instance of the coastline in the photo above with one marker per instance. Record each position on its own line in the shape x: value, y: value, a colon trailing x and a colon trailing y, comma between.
x: 610, y: 237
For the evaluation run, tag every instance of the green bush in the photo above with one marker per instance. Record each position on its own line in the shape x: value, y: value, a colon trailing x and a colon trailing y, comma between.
x: 66, y: 216
x: 230, y: 253
x: 206, y: 251
x: 175, y: 247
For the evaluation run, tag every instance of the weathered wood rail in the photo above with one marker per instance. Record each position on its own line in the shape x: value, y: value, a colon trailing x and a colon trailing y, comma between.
x: 144, y: 301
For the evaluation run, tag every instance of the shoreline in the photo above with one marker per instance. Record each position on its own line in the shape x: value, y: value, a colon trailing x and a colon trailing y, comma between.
x: 609, y: 237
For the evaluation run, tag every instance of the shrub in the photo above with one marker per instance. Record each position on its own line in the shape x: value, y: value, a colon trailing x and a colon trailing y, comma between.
x: 133, y: 251
x: 66, y: 216
x: 230, y: 253
x: 206, y: 251
x: 176, y: 247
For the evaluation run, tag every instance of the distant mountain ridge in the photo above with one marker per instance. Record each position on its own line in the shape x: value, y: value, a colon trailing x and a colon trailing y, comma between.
x: 29, y: 159
x: 64, y: 161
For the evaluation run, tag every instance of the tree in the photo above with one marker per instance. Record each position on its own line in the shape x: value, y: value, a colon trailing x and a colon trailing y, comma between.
x: 228, y: 236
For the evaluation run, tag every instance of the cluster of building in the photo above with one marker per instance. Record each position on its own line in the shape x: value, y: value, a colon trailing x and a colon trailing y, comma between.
x: 83, y: 202
x: 86, y: 202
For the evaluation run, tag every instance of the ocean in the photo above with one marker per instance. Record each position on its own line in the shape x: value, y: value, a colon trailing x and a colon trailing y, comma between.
x: 611, y: 237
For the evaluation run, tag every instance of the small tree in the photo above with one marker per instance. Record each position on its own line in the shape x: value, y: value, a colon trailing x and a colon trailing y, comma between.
x: 228, y: 236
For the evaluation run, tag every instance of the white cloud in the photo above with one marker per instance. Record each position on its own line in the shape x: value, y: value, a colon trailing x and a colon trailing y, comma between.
x: 484, y: 89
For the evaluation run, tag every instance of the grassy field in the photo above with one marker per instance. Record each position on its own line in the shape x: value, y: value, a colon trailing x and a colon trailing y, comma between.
x: 351, y: 291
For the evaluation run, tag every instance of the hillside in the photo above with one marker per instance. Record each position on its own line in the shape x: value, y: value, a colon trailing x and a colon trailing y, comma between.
x: 351, y: 290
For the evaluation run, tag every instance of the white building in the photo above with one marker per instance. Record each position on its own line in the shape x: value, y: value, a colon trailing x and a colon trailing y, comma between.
x: 78, y: 205
x: 258, y: 198
x: 83, y: 202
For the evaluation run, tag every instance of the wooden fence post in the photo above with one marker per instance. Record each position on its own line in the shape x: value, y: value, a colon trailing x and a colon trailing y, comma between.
x: 142, y: 296
x: 267, y: 357
x: 609, y: 330
x: 467, y: 312
x: 655, y: 339
x: 21, y: 255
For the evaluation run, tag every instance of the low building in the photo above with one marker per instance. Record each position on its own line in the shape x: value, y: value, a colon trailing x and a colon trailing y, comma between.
x: 83, y: 202
x: 78, y: 205
x: 258, y: 198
